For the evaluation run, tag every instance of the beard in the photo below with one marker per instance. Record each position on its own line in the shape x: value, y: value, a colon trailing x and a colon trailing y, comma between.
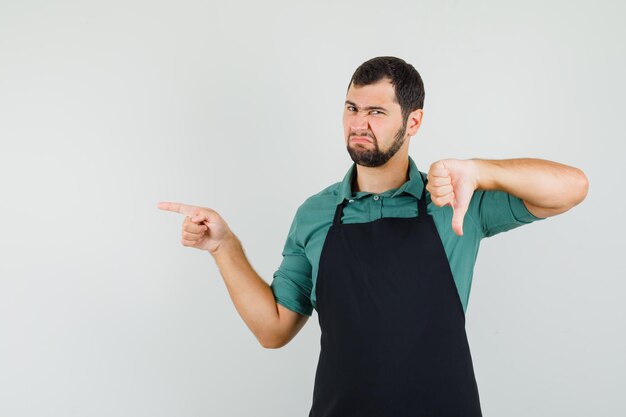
x: 375, y: 157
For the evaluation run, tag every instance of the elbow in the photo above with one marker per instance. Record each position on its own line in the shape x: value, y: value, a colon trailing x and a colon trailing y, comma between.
x: 581, y: 187
x: 271, y: 342
x: 570, y: 194
x: 272, y: 346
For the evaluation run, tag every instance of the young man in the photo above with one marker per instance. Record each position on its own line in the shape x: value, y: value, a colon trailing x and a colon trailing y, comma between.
x: 385, y: 256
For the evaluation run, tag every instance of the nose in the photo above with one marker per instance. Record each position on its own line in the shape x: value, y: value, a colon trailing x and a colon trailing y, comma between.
x: 358, y: 122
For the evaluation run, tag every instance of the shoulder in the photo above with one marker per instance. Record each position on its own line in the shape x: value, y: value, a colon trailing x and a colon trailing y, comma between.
x: 315, y: 214
x: 322, y: 199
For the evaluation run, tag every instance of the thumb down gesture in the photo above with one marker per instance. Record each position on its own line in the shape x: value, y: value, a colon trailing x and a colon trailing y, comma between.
x: 451, y: 182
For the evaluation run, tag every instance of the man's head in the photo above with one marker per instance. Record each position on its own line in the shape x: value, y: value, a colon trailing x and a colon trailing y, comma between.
x: 383, y: 107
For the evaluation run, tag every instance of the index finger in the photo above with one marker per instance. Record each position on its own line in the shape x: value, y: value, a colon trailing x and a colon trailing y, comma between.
x: 177, y: 208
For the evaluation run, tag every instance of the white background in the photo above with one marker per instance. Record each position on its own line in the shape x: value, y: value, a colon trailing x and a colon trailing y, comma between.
x: 107, y: 108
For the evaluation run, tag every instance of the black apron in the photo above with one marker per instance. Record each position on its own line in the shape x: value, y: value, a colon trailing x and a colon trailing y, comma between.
x: 393, y: 340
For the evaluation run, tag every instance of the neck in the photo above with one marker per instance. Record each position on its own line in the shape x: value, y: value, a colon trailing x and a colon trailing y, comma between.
x: 389, y: 176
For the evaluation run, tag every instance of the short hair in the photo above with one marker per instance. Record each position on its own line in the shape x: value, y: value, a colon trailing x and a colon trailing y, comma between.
x: 405, y: 79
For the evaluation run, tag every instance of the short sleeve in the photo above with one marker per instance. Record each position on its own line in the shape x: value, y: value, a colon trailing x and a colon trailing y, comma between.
x: 292, y: 283
x: 498, y: 211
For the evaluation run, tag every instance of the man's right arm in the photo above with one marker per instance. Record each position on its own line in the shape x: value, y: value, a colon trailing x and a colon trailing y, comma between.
x: 273, y: 324
x: 203, y: 228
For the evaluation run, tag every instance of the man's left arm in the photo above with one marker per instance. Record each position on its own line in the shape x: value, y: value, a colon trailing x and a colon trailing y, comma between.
x: 547, y: 188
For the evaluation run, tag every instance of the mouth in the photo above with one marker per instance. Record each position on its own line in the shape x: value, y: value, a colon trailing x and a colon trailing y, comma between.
x: 360, y: 139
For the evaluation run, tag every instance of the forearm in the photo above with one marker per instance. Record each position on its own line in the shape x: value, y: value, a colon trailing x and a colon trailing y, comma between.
x: 252, y: 296
x: 546, y: 184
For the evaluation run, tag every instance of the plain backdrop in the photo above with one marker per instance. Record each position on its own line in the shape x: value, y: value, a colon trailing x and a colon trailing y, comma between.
x: 107, y: 108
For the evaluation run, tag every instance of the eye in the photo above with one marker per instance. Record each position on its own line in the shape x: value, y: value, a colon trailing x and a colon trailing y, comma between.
x: 351, y: 108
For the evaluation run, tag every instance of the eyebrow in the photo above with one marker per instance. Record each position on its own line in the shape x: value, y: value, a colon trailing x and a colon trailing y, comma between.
x: 367, y: 108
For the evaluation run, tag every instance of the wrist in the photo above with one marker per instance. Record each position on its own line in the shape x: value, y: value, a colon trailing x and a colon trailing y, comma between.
x: 227, y: 244
x: 485, y: 173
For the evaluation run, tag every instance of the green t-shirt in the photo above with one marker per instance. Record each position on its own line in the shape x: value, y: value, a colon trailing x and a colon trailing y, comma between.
x: 489, y: 213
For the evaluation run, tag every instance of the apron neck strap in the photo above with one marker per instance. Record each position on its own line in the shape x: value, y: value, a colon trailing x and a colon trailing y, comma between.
x: 339, y: 212
x: 421, y: 203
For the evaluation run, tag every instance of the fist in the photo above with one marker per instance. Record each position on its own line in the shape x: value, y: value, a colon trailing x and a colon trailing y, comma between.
x: 451, y: 182
x: 203, y: 228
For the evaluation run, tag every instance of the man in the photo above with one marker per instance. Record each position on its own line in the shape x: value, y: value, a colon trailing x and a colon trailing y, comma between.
x: 385, y: 259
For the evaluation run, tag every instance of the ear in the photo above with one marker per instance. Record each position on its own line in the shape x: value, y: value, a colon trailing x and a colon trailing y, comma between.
x: 414, y: 121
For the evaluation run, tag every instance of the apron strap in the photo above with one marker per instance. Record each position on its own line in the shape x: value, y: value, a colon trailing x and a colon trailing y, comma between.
x: 339, y: 213
x: 422, y: 212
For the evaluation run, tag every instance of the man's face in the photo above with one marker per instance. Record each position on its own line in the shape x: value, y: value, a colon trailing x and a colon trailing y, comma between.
x: 372, y: 122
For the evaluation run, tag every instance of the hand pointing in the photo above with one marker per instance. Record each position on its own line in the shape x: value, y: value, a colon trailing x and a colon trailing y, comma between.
x: 452, y: 182
x: 203, y: 228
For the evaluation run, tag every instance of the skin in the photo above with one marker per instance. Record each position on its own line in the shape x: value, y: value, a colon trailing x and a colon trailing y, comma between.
x: 372, y: 119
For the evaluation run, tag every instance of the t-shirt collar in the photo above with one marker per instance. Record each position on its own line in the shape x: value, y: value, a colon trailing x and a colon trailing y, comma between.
x: 413, y: 186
